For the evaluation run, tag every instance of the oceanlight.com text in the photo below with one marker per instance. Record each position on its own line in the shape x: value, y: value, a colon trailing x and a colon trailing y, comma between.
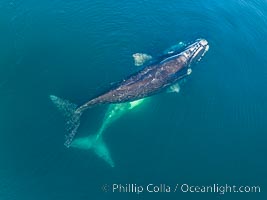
x: 180, y: 188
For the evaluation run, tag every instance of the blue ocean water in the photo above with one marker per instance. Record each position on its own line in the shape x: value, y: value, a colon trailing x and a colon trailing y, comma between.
x: 212, y: 132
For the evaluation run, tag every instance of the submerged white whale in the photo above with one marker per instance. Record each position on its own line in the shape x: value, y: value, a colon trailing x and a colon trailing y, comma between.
x: 96, y: 142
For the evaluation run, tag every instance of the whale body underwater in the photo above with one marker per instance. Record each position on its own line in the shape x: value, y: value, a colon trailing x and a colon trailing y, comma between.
x: 152, y: 79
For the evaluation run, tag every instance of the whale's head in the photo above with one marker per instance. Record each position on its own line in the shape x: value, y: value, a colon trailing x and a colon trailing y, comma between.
x: 195, y: 51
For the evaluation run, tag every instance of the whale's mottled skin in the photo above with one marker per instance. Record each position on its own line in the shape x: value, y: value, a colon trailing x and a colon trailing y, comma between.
x: 150, y: 80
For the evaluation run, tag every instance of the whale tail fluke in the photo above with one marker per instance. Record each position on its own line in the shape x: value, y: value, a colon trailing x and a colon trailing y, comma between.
x: 71, y: 114
x: 97, y: 145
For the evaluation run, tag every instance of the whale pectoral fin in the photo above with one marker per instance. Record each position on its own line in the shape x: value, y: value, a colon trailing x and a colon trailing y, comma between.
x: 174, y: 48
x: 173, y: 88
x: 189, y: 71
x: 141, y: 58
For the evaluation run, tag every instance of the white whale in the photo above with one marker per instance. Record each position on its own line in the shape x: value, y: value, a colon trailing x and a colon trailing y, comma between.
x: 96, y: 142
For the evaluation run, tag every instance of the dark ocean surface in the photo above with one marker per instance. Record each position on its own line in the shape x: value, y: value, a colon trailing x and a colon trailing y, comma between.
x: 214, y: 131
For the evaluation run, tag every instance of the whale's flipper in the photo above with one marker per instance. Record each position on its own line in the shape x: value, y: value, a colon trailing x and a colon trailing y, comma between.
x: 96, y: 144
x: 141, y: 58
x: 69, y: 110
x: 174, y: 88
x: 175, y: 48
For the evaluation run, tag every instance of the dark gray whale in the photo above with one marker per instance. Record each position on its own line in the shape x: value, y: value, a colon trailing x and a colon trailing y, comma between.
x: 151, y: 80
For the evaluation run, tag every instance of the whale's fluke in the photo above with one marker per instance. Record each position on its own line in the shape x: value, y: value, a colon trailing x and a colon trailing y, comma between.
x: 72, y: 116
x: 96, y: 144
